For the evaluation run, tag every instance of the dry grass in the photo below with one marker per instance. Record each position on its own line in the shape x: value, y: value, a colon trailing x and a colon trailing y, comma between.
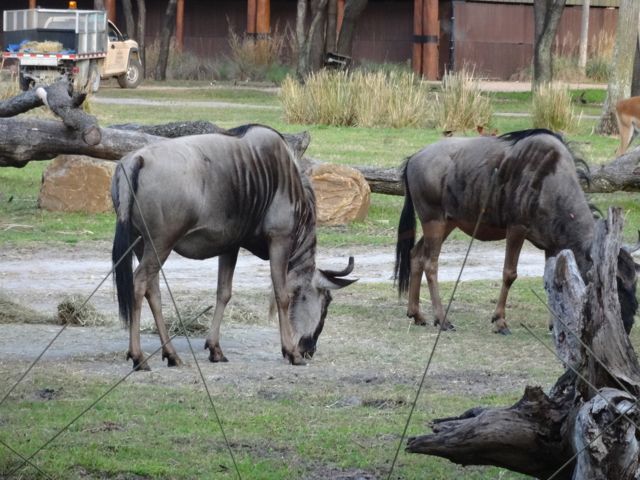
x: 12, y: 312
x: 600, y: 57
x: 72, y: 312
x: 253, y: 58
x: 366, y: 99
x: 41, y: 47
x: 462, y: 105
x: 552, y: 108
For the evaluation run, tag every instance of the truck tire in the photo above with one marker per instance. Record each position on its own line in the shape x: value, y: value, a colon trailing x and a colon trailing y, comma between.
x: 25, y: 83
x: 133, y: 77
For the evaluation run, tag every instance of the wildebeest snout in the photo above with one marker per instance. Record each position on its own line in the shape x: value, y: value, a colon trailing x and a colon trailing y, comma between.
x: 307, y: 346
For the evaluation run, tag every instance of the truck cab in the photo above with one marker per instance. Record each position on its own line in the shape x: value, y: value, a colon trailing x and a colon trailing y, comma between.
x: 122, y: 60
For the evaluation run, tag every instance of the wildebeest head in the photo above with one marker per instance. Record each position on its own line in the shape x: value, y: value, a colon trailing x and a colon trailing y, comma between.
x: 310, y: 302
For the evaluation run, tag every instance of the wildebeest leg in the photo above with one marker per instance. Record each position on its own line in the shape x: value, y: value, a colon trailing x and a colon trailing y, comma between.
x: 279, y: 248
x: 155, y: 304
x: 147, y: 269
x: 226, y: 266
x: 515, y: 238
x: 417, y: 269
x: 434, y: 234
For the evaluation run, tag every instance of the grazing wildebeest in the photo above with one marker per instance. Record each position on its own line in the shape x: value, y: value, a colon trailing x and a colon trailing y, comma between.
x: 210, y: 195
x: 529, y: 188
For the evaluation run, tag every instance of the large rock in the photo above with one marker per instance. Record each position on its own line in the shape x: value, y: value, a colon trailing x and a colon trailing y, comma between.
x: 75, y: 183
x: 342, y: 193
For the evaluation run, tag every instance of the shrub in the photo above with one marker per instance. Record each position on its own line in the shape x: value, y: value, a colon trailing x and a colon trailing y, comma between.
x: 462, y: 105
x: 552, y: 108
x: 258, y: 59
x: 330, y: 97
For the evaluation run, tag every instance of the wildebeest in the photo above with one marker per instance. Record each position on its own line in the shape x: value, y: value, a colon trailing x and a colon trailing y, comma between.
x: 210, y: 195
x: 524, y: 186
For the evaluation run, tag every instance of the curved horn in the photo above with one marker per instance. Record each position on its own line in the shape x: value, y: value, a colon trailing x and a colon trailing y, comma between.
x: 342, y: 273
x: 633, y: 248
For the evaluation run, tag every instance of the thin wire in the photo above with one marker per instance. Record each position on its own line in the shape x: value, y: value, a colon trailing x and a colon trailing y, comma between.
x: 589, y: 350
x: 25, y: 460
x: 33, y: 364
x: 175, y: 306
x: 435, y: 343
x: 95, y: 402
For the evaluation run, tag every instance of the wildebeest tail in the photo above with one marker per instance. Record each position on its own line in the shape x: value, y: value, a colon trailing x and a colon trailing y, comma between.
x: 406, y: 237
x: 123, y: 201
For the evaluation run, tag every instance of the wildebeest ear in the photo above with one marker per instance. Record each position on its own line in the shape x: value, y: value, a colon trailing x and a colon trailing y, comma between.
x: 298, y: 142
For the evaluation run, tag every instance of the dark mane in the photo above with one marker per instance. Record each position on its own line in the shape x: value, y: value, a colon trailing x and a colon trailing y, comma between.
x: 241, y: 130
x: 515, y: 137
x: 582, y: 168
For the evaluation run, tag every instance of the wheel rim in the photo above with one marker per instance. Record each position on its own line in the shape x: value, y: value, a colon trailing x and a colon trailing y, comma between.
x: 132, y: 74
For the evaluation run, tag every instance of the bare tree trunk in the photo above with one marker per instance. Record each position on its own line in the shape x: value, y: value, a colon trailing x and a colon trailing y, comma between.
x: 128, y: 18
x: 332, y: 34
x: 141, y: 32
x: 622, y: 71
x: 312, y: 48
x: 635, y: 79
x: 301, y: 37
x: 168, y: 25
x: 352, y: 11
x: 584, y: 36
x: 547, y: 14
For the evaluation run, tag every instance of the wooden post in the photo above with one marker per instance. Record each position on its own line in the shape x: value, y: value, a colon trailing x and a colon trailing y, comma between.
x: 251, y: 17
x: 180, y: 26
x: 431, y: 38
x: 263, y: 18
x: 32, y: 4
x: 417, y: 36
x: 110, y: 7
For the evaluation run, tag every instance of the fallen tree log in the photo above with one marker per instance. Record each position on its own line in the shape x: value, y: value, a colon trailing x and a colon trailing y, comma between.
x: 62, y: 103
x: 586, y: 427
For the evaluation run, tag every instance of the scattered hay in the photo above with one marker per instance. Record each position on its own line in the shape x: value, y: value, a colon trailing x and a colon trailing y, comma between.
x: 11, y: 312
x: 42, y: 47
x: 72, y: 312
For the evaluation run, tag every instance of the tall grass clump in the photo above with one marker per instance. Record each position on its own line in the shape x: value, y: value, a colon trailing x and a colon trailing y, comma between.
x: 368, y: 99
x: 186, y: 65
x: 462, y: 105
x: 552, y: 108
x: 600, y: 57
x: 259, y: 59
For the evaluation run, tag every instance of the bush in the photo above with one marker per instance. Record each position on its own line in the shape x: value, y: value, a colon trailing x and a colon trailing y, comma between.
x: 259, y: 59
x: 186, y: 65
x: 552, y: 108
x: 462, y: 105
x: 600, y: 58
x: 378, y: 99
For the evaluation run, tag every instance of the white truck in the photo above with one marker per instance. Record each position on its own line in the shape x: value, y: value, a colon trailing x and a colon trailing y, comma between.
x: 81, y: 44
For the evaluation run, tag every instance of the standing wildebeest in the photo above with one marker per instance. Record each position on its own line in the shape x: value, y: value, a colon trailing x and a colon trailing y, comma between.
x: 528, y: 186
x: 210, y: 195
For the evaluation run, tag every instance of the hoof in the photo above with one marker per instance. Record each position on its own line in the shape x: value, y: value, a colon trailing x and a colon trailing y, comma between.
x: 173, y: 360
x: 139, y: 364
x: 503, y: 331
x: 446, y: 327
x: 215, y: 353
x: 418, y: 319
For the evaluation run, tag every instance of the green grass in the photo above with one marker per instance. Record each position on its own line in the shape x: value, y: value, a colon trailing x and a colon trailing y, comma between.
x: 296, y: 422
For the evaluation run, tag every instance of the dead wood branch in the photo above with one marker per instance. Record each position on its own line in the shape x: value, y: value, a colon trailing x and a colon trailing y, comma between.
x: 66, y: 106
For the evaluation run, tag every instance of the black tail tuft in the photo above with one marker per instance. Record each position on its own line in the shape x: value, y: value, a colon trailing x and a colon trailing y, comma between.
x: 123, y: 269
x: 406, y: 238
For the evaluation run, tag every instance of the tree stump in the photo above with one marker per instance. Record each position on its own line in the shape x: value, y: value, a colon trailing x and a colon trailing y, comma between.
x: 586, y: 427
